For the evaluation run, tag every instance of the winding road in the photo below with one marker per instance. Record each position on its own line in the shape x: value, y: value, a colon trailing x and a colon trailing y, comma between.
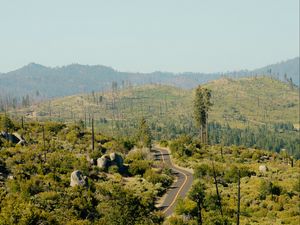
x: 179, y: 188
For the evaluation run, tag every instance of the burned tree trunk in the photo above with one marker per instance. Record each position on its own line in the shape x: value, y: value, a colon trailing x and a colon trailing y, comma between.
x: 93, y: 135
x: 217, y: 190
x: 239, y: 200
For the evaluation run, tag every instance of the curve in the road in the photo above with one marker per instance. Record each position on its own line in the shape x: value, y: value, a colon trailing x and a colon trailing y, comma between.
x: 179, y: 188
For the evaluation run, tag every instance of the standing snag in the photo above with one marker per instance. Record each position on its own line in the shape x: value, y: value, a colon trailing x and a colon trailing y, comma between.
x: 239, y: 199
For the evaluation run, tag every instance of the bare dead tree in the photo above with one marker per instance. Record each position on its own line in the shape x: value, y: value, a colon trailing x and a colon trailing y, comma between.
x: 222, y: 152
x: 44, y: 143
x: 217, y: 189
x: 93, y: 135
x: 22, y: 122
x: 239, y: 200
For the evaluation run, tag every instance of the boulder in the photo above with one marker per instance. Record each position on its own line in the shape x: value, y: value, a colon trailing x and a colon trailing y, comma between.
x: 264, y: 157
x: 14, y: 138
x: 263, y: 168
x: 116, y: 159
x: 222, y: 182
x: 112, y: 156
x: 90, y: 160
x: 103, y: 162
x: 77, y: 178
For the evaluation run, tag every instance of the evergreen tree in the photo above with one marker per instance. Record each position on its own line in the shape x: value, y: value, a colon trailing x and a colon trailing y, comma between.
x: 6, y: 124
x: 144, y: 134
x: 202, y: 105
x: 197, y: 194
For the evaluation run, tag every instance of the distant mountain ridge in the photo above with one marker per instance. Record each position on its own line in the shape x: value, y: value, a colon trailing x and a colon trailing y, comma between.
x: 75, y: 78
x: 288, y: 67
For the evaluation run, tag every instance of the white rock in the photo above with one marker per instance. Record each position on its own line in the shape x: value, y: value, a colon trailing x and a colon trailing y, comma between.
x: 103, y: 162
x: 263, y: 168
x: 77, y: 178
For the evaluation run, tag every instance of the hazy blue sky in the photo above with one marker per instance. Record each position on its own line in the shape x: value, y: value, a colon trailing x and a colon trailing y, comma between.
x: 140, y: 35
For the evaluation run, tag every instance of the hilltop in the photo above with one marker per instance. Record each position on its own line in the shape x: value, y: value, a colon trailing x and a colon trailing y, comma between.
x: 255, y: 100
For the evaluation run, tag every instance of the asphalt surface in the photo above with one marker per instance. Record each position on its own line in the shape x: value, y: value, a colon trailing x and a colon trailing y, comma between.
x: 179, y: 188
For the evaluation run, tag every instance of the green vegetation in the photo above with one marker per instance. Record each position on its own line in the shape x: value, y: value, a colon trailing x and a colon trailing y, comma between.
x: 35, y: 178
x: 267, y: 197
x: 144, y: 136
x: 6, y: 124
x: 65, y: 173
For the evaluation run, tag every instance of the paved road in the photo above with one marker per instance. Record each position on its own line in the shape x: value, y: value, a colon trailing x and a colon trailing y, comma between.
x: 179, y: 188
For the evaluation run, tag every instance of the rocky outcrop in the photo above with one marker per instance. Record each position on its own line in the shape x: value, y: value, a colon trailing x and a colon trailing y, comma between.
x: 109, y: 160
x: 77, y: 179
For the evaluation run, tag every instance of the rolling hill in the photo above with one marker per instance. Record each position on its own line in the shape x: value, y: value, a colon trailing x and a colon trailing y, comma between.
x: 237, y: 102
x: 258, y: 112
x: 47, y: 82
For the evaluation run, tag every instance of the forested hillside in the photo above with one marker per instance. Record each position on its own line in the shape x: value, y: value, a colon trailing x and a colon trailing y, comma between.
x: 243, y: 109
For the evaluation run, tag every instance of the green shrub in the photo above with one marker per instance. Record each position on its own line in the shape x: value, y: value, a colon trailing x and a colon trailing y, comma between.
x: 153, y: 177
x: 202, y: 170
x: 54, y: 127
x: 268, y: 188
x: 139, y: 167
x: 179, y: 146
x: 138, y: 154
x: 177, y: 220
x: 231, y: 174
x: 186, y: 207
x: 296, y: 186
x: 163, y: 143
x: 113, y: 169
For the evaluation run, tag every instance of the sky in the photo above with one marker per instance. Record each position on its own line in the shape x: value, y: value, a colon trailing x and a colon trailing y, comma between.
x: 146, y: 36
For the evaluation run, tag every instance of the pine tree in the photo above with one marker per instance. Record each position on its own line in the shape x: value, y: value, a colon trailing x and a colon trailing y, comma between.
x: 144, y: 134
x: 202, y: 105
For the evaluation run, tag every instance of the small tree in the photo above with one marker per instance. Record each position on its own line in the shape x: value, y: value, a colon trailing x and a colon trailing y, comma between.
x: 197, y: 194
x: 6, y: 124
x: 144, y: 134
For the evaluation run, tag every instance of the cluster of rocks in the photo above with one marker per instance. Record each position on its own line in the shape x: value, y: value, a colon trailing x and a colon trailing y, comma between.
x: 104, y: 162
x: 14, y: 138
x: 109, y: 160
